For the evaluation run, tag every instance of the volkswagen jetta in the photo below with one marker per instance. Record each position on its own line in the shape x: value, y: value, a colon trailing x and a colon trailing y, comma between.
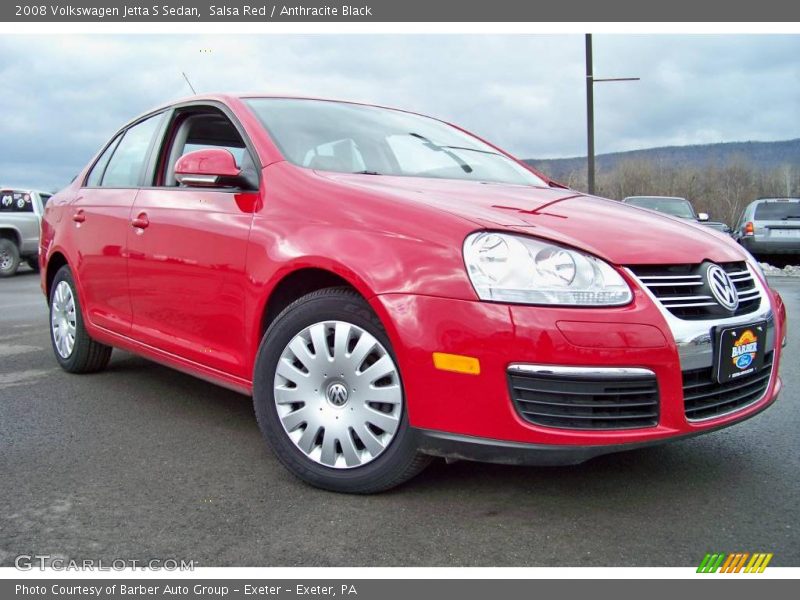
x: 389, y: 287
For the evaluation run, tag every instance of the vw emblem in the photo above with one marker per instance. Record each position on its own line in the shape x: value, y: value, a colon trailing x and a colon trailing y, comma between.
x: 722, y: 288
x: 337, y: 394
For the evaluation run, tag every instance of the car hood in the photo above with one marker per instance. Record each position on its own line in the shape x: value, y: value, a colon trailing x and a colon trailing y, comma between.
x: 617, y: 232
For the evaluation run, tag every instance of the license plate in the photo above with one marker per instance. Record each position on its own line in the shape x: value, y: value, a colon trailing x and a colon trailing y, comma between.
x: 785, y: 233
x: 740, y: 351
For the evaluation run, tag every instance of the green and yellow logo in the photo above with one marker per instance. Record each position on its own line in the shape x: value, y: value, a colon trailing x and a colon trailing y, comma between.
x: 735, y: 563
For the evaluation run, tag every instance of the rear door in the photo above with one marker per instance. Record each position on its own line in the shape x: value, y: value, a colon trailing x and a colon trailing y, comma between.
x: 187, y: 260
x: 100, y: 219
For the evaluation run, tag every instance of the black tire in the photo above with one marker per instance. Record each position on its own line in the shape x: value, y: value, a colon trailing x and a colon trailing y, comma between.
x: 33, y: 263
x: 399, y: 462
x: 87, y: 356
x: 9, y: 258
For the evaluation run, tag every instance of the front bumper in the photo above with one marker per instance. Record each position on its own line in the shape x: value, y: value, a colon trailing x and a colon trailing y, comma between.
x: 463, y: 447
x: 758, y: 244
x: 463, y: 415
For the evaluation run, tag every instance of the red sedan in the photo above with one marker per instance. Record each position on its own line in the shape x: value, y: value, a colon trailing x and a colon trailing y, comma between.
x: 389, y: 287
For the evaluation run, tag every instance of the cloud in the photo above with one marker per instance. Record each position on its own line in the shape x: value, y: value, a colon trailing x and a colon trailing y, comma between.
x: 63, y: 96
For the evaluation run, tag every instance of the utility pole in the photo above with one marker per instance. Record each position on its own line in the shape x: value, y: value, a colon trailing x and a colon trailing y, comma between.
x: 589, y: 115
x: 590, y: 81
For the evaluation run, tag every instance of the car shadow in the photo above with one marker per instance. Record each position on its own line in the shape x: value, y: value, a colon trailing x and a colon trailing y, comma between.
x: 670, y: 471
x: 164, y: 384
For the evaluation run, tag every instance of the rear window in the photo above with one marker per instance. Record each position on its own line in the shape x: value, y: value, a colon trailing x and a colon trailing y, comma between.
x: 775, y: 211
x: 12, y: 201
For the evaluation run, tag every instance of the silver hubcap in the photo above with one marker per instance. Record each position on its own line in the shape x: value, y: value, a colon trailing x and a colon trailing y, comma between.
x: 338, y: 394
x: 5, y: 260
x: 62, y: 319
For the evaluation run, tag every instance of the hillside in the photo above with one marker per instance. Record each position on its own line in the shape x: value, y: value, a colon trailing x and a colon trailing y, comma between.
x: 759, y: 155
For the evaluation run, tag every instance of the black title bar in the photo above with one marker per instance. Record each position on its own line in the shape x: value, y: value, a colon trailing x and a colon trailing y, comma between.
x: 400, y: 11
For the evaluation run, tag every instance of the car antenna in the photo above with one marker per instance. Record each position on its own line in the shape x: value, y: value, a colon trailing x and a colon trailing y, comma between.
x: 189, y: 82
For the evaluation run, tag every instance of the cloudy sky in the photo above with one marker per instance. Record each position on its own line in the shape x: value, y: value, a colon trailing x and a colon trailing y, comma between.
x: 63, y: 96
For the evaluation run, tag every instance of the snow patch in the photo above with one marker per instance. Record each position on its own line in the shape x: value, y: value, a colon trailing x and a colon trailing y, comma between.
x: 787, y: 271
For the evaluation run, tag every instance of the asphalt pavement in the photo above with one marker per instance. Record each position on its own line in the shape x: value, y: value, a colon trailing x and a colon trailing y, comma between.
x: 142, y: 462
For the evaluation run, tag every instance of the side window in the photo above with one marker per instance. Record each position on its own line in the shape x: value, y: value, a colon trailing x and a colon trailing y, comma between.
x: 7, y: 200
x: 198, y: 131
x: 96, y: 174
x: 128, y: 161
x: 742, y: 219
x: 45, y: 198
x: 18, y: 202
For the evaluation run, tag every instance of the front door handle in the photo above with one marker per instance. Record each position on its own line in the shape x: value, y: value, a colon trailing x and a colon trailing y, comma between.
x: 141, y: 222
x: 79, y: 217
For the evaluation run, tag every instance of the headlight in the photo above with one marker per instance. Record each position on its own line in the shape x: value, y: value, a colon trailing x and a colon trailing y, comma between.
x: 524, y: 270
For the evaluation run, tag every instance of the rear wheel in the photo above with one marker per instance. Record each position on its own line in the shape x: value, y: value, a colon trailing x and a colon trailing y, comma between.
x: 329, y: 397
x: 75, y: 351
x: 9, y: 257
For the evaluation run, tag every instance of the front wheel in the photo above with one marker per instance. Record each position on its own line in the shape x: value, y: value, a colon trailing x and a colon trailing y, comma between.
x: 329, y: 398
x: 75, y: 351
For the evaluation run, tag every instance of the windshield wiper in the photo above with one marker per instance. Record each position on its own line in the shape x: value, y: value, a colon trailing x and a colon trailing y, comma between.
x: 366, y: 173
x: 787, y: 217
x: 446, y: 149
x: 473, y: 150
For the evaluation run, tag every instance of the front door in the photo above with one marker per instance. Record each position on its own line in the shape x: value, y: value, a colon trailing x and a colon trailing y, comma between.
x: 187, y: 253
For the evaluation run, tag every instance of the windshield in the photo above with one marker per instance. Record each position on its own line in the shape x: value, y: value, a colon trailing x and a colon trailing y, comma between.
x: 776, y: 211
x: 677, y: 207
x: 350, y: 138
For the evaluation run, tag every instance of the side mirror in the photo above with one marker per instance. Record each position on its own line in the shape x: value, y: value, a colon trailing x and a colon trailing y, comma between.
x: 210, y: 167
x: 702, y: 216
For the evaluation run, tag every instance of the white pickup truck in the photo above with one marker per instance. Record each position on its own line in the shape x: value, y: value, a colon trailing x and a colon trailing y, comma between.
x: 20, y: 226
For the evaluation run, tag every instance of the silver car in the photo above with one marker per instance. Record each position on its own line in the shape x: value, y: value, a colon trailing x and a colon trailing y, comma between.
x: 677, y: 207
x: 770, y: 226
x: 20, y: 226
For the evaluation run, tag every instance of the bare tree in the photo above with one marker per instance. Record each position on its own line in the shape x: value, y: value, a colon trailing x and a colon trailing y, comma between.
x: 723, y: 191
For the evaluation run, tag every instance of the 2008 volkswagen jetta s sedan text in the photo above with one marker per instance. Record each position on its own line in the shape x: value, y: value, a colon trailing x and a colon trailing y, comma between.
x: 389, y: 287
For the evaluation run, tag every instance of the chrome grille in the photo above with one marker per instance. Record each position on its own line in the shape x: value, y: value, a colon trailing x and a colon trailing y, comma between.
x: 684, y: 291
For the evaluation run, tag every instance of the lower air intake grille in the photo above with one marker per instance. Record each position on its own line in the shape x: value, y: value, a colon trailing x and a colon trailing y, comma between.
x: 585, y: 401
x: 704, y: 398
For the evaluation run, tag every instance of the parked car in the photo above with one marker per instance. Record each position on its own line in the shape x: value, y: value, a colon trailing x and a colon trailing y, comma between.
x: 20, y: 224
x: 678, y: 207
x: 770, y: 226
x: 390, y: 288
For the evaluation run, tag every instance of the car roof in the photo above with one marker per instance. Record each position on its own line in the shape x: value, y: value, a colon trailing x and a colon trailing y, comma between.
x: 227, y: 98
x: 231, y: 98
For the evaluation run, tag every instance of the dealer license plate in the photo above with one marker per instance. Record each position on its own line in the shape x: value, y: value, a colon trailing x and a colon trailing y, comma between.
x: 740, y: 351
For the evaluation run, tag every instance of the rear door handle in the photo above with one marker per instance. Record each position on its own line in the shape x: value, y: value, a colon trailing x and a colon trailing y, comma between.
x: 141, y: 222
x: 79, y: 217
